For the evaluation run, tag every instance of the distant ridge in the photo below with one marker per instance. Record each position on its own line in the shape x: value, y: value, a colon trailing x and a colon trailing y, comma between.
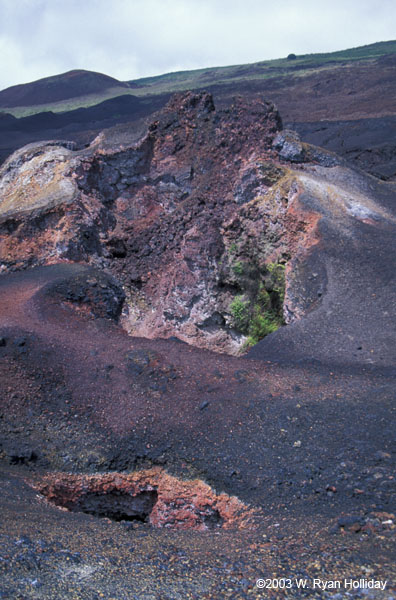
x: 57, y: 88
x: 82, y: 89
x: 259, y: 71
x: 343, y: 101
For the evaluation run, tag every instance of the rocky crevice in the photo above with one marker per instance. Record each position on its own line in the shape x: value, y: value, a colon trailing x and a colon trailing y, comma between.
x: 151, y: 496
x: 194, y: 216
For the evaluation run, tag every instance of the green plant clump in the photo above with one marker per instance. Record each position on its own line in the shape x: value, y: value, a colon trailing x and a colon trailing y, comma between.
x: 239, y: 309
x: 237, y: 267
x: 276, y: 281
x: 262, y: 313
x: 261, y: 325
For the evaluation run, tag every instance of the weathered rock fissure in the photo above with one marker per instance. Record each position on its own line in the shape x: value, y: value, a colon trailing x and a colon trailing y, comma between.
x: 116, y: 505
x: 151, y: 496
x: 196, y: 219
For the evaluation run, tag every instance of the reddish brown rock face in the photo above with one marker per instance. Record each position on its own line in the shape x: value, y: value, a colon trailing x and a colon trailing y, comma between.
x: 189, y: 218
x: 153, y: 496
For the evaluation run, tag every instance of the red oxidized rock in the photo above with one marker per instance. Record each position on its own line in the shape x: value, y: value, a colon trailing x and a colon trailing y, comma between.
x: 152, y: 495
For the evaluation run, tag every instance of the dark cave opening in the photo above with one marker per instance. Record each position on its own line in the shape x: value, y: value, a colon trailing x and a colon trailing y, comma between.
x: 212, y: 518
x: 117, y: 505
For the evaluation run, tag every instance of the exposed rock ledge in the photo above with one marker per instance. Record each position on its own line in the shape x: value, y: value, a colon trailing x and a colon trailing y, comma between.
x: 153, y: 496
x: 202, y: 220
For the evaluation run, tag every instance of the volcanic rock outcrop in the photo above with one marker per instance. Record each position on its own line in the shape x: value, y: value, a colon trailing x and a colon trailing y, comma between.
x: 209, y: 219
x: 199, y: 218
x: 152, y: 496
x: 212, y: 226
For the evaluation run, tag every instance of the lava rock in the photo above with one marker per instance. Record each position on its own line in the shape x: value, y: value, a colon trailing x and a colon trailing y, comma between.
x: 289, y: 146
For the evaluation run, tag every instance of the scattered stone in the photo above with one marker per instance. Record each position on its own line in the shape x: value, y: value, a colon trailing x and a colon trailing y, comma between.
x: 381, y: 456
x: 288, y: 144
x: 352, y: 523
x: 137, y: 361
x: 241, y: 375
x: 19, y: 454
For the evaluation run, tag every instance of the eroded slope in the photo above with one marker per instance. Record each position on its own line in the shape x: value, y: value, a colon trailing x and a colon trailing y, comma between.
x: 151, y: 430
x: 208, y: 219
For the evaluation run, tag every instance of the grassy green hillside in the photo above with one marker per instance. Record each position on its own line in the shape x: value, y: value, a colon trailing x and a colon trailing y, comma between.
x: 262, y: 71
x: 268, y: 69
x: 83, y: 101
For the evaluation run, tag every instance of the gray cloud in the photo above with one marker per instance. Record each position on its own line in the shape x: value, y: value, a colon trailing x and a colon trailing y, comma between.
x: 136, y: 38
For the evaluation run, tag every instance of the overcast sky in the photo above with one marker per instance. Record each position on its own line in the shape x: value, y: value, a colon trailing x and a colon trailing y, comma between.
x: 129, y: 39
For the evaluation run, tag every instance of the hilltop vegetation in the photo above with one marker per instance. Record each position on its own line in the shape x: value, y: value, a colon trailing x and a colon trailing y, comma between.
x: 81, y: 89
x: 267, y: 69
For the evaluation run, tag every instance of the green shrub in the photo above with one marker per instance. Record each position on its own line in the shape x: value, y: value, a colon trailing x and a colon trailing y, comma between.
x: 260, y: 311
x: 275, y: 284
x: 263, y: 298
x: 239, y: 309
x: 262, y: 324
x: 237, y: 267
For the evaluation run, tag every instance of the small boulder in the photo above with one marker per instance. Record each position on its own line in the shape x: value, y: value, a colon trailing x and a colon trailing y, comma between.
x: 289, y: 146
